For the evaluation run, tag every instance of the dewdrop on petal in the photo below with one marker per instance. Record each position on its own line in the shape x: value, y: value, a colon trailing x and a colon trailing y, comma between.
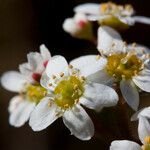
x: 79, y: 27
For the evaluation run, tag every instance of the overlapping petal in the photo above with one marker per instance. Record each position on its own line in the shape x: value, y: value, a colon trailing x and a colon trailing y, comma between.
x: 13, y: 81
x: 79, y: 123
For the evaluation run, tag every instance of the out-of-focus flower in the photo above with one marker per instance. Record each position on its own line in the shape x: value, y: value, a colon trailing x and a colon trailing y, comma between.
x: 111, y: 14
x: 27, y: 85
x: 33, y: 69
x: 79, y: 26
x: 143, y: 132
x: 68, y: 90
x: 123, y: 66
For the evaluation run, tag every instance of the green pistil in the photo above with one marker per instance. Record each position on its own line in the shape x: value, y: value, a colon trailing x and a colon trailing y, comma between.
x: 68, y: 92
x: 35, y: 93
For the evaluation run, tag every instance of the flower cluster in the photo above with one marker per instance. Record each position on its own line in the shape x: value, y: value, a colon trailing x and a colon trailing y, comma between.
x: 49, y: 87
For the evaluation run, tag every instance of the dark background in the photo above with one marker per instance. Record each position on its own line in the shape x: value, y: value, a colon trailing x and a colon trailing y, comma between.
x: 24, y: 25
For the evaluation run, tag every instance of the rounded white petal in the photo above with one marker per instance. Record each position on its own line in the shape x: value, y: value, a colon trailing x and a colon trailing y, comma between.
x: 79, y: 123
x: 109, y: 41
x: 130, y: 94
x: 101, y: 77
x: 143, y: 80
x: 44, y: 80
x: 141, y: 19
x: 46, y: 55
x: 35, y: 61
x: 57, y: 65
x: 145, y: 112
x: 21, y: 114
x: 14, y: 102
x: 13, y: 81
x: 124, y: 145
x: 26, y: 71
x: 143, y: 128
x: 44, y: 114
x: 97, y: 96
x: 88, y: 8
x: 70, y: 26
x: 87, y: 65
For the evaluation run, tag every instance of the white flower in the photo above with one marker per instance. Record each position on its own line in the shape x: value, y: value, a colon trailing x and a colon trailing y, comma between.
x: 29, y: 94
x: 143, y: 132
x: 111, y: 14
x: 123, y: 66
x: 36, y: 64
x: 68, y: 90
x: 79, y: 27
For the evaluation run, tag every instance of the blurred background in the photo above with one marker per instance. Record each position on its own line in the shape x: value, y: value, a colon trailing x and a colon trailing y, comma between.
x: 24, y: 25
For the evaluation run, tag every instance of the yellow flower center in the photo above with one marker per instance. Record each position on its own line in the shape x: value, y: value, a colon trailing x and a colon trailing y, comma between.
x: 35, y: 93
x: 146, y: 146
x: 68, y: 92
x: 111, y: 8
x: 123, y: 65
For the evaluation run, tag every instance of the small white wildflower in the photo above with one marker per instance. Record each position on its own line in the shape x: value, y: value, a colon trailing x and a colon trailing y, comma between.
x: 67, y: 94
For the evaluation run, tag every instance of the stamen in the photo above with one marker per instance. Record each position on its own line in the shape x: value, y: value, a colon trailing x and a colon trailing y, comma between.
x: 70, y: 66
x: 53, y: 76
x: 98, y: 57
x: 61, y: 74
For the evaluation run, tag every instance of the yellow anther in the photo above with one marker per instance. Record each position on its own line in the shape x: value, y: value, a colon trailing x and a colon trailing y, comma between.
x: 70, y: 66
x: 75, y: 87
x: 53, y: 76
x: 66, y: 105
x: 50, y: 84
x: 76, y: 101
x: 61, y: 74
x: 49, y: 104
x: 83, y: 78
x: 113, y: 44
x: 98, y: 57
x: 134, y: 44
x: 74, y: 72
x: 147, y: 139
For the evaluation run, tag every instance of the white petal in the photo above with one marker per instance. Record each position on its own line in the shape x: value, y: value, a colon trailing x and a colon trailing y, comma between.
x: 14, y: 102
x: 43, y: 115
x: 88, y: 64
x: 57, y: 65
x: 70, y: 26
x: 36, y: 62
x: 130, y: 94
x: 26, y: 71
x: 143, y: 81
x: 145, y: 112
x: 98, y: 17
x: 127, y: 20
x: 79, y: 123
x: 139, y: 48
x: 143, y: 128
x: 46, y: 55
x: 44, y: 80
x: 13, y: 81
x: 101, y: 77
x: 88, y: 8
x: 124, y: 145
x: 136, y: 115
x: 141, y: 19
x: 109, y: 41
x: 21, y: 114
x: 97, y: 96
